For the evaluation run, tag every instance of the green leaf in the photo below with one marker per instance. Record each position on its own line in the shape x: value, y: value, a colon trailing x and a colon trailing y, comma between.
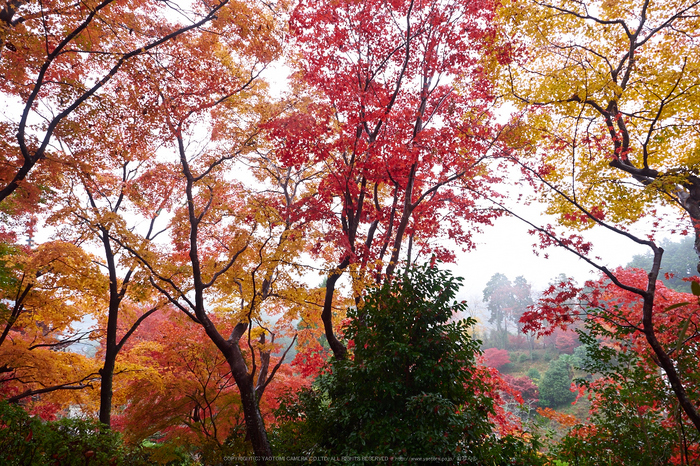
x: 681, y: 334
x: 677, y: 305
x: 695, y: 288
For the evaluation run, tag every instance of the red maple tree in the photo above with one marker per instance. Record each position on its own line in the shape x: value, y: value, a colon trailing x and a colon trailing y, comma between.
x: 397, y: 119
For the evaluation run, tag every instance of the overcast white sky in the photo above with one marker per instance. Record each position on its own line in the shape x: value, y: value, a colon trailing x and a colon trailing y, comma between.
x: 507, y: 248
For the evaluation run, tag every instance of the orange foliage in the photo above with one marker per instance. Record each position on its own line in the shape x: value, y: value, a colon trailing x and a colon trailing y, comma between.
x: 185, y: 389
x: 565, y: 420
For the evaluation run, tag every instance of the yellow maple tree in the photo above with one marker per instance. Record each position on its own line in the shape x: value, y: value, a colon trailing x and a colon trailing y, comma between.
x: 607, y: 98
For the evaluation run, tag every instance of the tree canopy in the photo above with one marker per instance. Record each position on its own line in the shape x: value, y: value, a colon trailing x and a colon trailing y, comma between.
x: 609, y: 95
x: 205, y: 262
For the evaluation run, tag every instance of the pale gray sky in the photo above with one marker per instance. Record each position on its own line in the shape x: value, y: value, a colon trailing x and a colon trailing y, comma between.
x: 507, y: 248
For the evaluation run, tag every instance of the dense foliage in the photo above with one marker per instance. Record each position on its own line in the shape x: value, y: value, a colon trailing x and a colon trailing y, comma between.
x: 29, y: 441
x: 555, y: 388
x: 634, y: 418
x: 169, y: 200
x: 412, y: 388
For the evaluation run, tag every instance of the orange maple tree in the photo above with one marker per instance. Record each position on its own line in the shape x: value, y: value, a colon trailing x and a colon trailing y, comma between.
x: 224, y: 266
x: 186, y: 394
x: 46, y: 293
x: 58, y: 55
x: 112, y: 182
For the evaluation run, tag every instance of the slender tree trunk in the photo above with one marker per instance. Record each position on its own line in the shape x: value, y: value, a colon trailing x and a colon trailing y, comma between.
x: 107, y: 371
x: 692, y: 206
x: 339, y: 350
x: 255, y: 426
x: 662, y: 356
x: 106, y: 384
x: 671, y: 374
x: 403, y: 224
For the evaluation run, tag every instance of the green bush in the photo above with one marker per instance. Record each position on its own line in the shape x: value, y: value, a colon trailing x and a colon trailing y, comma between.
x: 28, y: 441
x: 534, y: 374
x: 555, y: 385
x: 408, y: 391
x: 633, y: 423
x: 507, y: 368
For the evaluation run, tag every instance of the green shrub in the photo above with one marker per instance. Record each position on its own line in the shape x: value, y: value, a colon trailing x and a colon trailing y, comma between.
x: 534, y: 374
x: 507, y: 368
x: 633, y: 425
x: 409, y: 391
x: 555, y: 385
x: 28, y: 441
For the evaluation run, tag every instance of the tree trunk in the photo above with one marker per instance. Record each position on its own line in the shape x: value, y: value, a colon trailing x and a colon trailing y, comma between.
x: 107, y: 371
x: 255, y: 426
x: 663, y: 359
x: 106, y: 383
x: 692, y: 206
x: 339, y: 350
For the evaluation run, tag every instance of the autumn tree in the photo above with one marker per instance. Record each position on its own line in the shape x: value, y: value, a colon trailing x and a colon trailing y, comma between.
x: 562, y: 304
x: 609, y: 90
x: 85, y: 119
x: 186, y: 394
x: 44, y: 293
x: 110, y: 170
x: 397, y: 115
x: 659, y: 321
x: 59, y: 55
x: 496, y: 358
x: 635, y: 419
x: 219, y: 267
x: 526, y: 387
x: 603, y: 124
x: 560, y: 307
x: 229, y: 264
x: 113, y: 180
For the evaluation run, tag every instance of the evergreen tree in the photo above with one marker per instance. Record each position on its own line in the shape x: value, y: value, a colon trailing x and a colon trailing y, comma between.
x: 412, y: 388
x: 555, y: 386
x: 507, y: 302
x: 498, y: 293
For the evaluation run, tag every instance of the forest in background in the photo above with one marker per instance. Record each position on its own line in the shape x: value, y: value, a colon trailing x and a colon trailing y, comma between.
x: 201, y: 264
